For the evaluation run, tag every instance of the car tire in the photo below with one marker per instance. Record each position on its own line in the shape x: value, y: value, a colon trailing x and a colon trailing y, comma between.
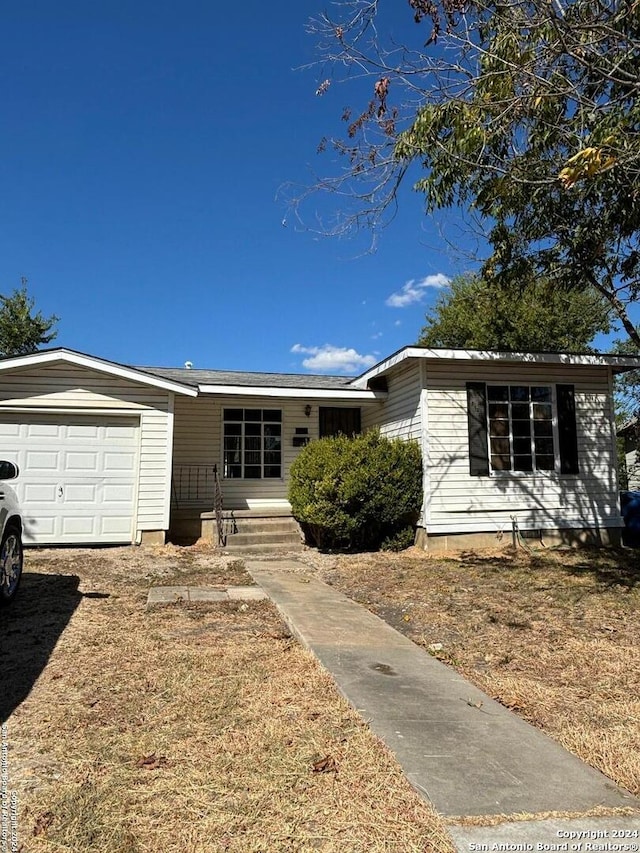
x: 11, y: 561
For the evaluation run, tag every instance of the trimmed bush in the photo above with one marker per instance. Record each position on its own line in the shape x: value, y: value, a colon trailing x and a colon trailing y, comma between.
x: 352, y: 493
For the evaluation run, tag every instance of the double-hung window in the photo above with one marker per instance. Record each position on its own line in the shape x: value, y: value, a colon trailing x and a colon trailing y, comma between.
x: 521, y: 428
x: 253, y: 443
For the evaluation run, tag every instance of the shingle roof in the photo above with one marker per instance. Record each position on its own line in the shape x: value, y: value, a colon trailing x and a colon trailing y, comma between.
x: 195, y: 377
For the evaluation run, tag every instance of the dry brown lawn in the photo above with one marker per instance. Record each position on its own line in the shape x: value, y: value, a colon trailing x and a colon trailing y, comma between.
x: 186, y: 728
x: 553, y: 635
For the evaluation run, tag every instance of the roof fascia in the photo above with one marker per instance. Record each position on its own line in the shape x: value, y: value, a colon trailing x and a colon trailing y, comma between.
x: 101, y: 365
x: 619, y: 363
x: 300, y: 393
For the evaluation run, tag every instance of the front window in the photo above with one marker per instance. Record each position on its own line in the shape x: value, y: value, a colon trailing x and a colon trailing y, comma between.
x: 521, y: 428
x: 253, y: 443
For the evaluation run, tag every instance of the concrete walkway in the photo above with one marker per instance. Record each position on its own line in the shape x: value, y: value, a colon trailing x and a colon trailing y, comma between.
x: 464, y: 752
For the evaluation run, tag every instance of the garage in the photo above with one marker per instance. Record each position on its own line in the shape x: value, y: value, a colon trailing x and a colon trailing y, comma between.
x: 78, y: 475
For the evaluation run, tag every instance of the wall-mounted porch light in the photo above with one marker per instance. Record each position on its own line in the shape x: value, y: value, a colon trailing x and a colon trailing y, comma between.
x: 307, y: 410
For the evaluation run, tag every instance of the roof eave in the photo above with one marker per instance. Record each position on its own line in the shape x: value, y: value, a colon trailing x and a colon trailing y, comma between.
x: 349, y: 393
x: 618, y: 363
x: 99, y: 364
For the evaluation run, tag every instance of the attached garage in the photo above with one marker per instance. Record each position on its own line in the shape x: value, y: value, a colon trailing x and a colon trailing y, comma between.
x: 93, y: 442
x: 78, y: 476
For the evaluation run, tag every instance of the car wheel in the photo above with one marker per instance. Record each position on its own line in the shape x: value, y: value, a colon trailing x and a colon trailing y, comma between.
x: 11, y: 559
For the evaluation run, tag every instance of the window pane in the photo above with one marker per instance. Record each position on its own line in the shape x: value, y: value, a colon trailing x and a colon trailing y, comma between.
x: 521, y: 428
x: 499, y: 427
x: 501, y: 463
x: 542, y: 428
x: 233, y: 415
x: 523, y: 463
x: 498, y: 410
x: 252, y: 442
x: 272, y: 442
x: 232, y: 443
x: 253, y: 414
x: 545, y: 463
x: 520, y: 411
x: 272, y: 415
x: 272, y: 458
x: 233, y: 429
x: 253, y: 429
x: 233, y: 471
x: 273, y: 429
x: 540, y: 394
x: 542, y: 411
x: 522, y: 445
x: 272, y: 471
x: 544, y: 446
x: 519, y: 393
x: 252, y: 472
x: 252, y: 457
x: 498, y: 392
x: 500, y: 446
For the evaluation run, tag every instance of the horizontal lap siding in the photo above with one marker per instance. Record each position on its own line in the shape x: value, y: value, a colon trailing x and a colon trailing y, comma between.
x: 198, y: 441
x: 400, y: 416
x: 461, y: 502
x: 70, y: 388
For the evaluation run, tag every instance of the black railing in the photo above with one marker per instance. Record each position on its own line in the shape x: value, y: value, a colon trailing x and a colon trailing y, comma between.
x: 217, y: 507
x: 198, y: 487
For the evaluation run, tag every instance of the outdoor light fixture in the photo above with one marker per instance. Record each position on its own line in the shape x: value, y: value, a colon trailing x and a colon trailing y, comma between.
x: 307, y: 410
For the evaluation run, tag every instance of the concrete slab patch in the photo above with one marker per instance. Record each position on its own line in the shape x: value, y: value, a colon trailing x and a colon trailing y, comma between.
x: 170, y: 594
x: 203, y: 594
x: 167, y: 594
x: 246, y: 593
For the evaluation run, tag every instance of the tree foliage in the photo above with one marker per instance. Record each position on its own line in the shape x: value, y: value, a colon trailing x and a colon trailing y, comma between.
x: 523, y: 112
x: 22, y: 331
x: 538, y: 317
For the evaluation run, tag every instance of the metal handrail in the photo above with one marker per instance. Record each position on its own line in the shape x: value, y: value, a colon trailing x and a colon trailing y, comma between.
x: 217, y: 506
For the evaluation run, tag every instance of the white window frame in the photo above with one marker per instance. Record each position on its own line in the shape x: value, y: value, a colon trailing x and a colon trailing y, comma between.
x: 536, y: 472
x: 243, y: 451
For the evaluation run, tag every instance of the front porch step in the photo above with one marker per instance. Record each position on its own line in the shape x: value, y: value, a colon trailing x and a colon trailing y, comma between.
x: 264, y: 549
x: 258, y: 531
x: 262, y: 525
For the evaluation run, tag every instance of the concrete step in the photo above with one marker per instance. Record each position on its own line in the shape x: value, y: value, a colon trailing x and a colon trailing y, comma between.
x: 277, y: 525
x: 257, y: 538
x: 264, y: 549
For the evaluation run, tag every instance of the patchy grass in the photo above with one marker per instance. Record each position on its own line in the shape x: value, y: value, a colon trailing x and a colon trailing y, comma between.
x: 553, y: 635
x: 188, y: 728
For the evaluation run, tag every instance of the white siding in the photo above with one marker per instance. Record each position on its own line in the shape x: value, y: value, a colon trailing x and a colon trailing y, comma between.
x: 400, y: 415
x: 198, y: 441
x: 70, y: 388
x: 462, y: 503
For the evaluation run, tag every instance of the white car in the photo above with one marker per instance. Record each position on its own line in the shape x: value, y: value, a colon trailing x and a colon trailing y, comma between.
x: 11, y: 556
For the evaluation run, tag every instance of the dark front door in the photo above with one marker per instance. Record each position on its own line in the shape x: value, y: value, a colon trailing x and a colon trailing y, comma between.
x: 335, y: 420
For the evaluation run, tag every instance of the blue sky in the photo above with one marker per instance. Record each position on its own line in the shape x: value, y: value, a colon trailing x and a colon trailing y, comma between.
x: 143, y: 146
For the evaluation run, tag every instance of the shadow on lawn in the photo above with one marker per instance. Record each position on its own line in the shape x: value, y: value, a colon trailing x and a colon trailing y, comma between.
x: 29, y: 630
x: 608, y: 567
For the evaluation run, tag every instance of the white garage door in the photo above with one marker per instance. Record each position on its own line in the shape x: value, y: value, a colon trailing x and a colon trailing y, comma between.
x: 77, y: 476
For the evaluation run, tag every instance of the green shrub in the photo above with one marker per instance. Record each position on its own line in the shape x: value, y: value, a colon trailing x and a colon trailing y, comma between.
x: 399, y: 541
x: 353, y: 493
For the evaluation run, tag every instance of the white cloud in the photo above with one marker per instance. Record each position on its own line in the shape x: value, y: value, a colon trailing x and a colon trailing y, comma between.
x: 415, y: 289
x: 328, y: 358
